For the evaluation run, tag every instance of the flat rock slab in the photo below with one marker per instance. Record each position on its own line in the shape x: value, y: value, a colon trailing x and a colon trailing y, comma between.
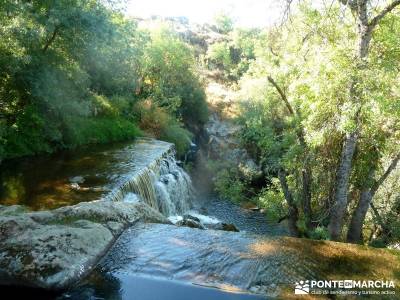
x: 53, y: 249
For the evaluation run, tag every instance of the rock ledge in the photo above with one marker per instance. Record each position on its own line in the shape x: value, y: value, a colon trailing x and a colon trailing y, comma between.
x: 54, y: 249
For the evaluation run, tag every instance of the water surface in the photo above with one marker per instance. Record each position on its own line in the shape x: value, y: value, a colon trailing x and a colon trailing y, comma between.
x: 70, y: 177
x: 239, y: 264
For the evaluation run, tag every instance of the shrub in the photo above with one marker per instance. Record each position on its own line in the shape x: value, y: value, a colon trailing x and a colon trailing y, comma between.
x: 230, y: 186
x: 176, y: 134
x: 272, y: 200
x: 319, y: 233
x: 82, y: 131
x: 158, y: 123
x: 27, y: 136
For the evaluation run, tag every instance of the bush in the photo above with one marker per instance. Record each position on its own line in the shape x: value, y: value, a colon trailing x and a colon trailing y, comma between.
x: 176, y: 134
x: 319, y: 233
x: 82, y: 131
x: 229, y: 186
x: 169, y: 78
x: 273, y: 201
x: 158, y: 123
x: 27, y: 136
x: 224, y: 23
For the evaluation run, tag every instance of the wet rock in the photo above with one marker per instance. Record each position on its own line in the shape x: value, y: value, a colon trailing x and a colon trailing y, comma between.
x: 12, y: 210
x: 223, y: 226
x: 54, y: 249
x: 190, y: 221
x: 191, y: 217
x: 229, y: 227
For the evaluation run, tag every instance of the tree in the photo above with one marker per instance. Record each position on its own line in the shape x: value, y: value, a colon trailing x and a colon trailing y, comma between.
x: 224, y: 23
x: 308, y: 88
x: 365, y: 27
x: 354, y: 234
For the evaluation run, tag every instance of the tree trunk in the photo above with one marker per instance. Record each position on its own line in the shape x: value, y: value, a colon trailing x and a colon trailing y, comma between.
x: 293, y: 215
x: 341, y: 187
x: 51, y: 40
x: 307, y: 178
x: 354, y: 235
x: 307, y: 171
x: 350, y: 142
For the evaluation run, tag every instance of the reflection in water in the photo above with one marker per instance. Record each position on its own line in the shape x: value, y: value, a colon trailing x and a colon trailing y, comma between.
x: 70, y: 177
x: 127, y: 287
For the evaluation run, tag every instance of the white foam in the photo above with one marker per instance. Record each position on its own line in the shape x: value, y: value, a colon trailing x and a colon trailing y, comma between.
x: 175, y: 219
x: 131, y: 198
x: 204, y: 219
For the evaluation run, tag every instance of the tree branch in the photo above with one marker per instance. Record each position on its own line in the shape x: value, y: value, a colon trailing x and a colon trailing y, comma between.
x: 300, y: 131
x: 378, y: 217
x: 383, y: 13
x: 52, y: 38
x: 391, y: 167
x: 351, y: 3
x: 282, y: 94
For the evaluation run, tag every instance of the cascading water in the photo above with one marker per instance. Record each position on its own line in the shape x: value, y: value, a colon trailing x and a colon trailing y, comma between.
x: 173, y: 188
x: 163, y: 185
x: 143, y: 170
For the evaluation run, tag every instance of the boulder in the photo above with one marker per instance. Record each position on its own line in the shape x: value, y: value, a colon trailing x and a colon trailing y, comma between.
x: 190, y: 221
x: 54, y: 249
x: 191, y: 217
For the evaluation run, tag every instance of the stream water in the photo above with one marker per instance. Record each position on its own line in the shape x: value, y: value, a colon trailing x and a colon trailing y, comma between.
x: 149, y: 261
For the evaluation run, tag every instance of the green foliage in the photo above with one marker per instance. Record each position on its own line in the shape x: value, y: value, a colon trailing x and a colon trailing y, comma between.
x: 273, y: 201
x: 319, y: 233
x: 230, y: 186
x: 159, y: 123
x: 230, y: 182
x: 219, y: 56
x: 234, y: 54
x: 99, y: 130
x: 27, y: 136
x: 176, y: 134
x: 224, y: 23
x: 311, y: 60
x: 71, y: 73
x: 169, y: 77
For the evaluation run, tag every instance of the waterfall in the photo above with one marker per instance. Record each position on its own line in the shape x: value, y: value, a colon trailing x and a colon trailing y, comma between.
x: 162, y: 184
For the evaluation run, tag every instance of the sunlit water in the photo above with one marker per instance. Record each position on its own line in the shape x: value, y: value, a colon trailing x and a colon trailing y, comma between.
x: 227, y: 261
x: 149, y: 260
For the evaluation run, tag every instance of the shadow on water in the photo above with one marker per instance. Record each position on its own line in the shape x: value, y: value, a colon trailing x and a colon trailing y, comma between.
x: 123, y: 287
x: 147, y: 288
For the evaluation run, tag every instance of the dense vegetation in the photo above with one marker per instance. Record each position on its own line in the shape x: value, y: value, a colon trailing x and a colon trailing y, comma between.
x: 319, y: 101
x: 320, y: 112
x: 79, y: 72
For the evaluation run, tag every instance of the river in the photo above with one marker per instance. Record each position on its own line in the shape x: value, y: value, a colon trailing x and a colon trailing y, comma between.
x: 148, y: 261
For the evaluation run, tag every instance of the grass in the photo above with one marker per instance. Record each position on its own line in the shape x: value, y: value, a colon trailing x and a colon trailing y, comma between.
x: 340, y: 261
